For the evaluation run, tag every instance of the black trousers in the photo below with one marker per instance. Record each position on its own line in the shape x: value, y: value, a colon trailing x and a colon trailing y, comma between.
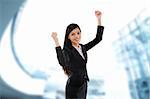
x: 76, y: 92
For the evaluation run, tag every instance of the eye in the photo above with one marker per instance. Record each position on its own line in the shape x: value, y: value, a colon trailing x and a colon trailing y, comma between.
x: 78, y: 33
x: 72, y: 34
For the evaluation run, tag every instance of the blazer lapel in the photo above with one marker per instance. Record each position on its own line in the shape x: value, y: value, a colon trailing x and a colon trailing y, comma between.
x: 84, y: 52
x: 77, y: 54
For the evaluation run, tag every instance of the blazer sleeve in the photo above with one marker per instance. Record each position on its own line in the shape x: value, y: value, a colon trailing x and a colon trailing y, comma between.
x: 97, y: 39
x: 62, y: 57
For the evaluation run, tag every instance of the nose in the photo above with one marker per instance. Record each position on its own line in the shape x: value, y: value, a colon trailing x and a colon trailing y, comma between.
x: 77, y: 36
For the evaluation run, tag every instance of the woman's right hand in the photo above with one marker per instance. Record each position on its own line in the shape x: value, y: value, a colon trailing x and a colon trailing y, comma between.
x: 54, y: 36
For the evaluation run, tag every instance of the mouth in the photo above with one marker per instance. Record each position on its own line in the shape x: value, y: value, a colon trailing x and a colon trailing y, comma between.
x: 76, y: 40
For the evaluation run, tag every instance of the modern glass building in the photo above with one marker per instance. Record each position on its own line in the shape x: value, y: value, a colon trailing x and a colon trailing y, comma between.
x: 28, y: 65
x: 133, y: 52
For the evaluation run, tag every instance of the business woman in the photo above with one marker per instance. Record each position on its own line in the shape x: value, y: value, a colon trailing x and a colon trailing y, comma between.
x: 73, y: 58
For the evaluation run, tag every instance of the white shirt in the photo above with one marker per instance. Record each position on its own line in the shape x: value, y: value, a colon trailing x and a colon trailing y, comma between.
x: 79, y: 49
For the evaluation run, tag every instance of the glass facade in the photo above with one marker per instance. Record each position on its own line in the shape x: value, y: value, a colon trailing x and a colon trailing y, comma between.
x: 133, y: 52
x: 28, y: 56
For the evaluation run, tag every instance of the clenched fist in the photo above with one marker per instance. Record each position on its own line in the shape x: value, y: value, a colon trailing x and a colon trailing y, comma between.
x: 98, y: 14
x: 54, y: 36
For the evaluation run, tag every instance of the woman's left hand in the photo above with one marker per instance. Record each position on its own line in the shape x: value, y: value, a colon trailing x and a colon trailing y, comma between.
x: 98, y: 14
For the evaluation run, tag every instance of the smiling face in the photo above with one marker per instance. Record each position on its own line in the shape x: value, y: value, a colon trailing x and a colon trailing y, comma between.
x: 75, y: 36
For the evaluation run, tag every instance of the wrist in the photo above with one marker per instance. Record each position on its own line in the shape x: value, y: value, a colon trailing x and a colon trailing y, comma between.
x: 57, y: 43
x: 56, y: 39
x: 99, y: 23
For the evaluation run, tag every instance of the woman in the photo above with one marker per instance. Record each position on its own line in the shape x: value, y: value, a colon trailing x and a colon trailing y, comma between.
x: 73, y: 58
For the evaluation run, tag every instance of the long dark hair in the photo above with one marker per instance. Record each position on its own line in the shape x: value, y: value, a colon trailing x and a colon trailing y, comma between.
x: 67, y: 42
x: 70, y: 27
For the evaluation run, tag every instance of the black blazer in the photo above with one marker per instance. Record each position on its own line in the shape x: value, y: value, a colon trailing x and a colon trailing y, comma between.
x: 70, y: 58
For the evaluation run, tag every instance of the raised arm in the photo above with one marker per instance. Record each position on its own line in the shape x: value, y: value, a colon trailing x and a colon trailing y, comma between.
x: 99, y: 34
x: 62, y: 56
x: 59, y: 52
